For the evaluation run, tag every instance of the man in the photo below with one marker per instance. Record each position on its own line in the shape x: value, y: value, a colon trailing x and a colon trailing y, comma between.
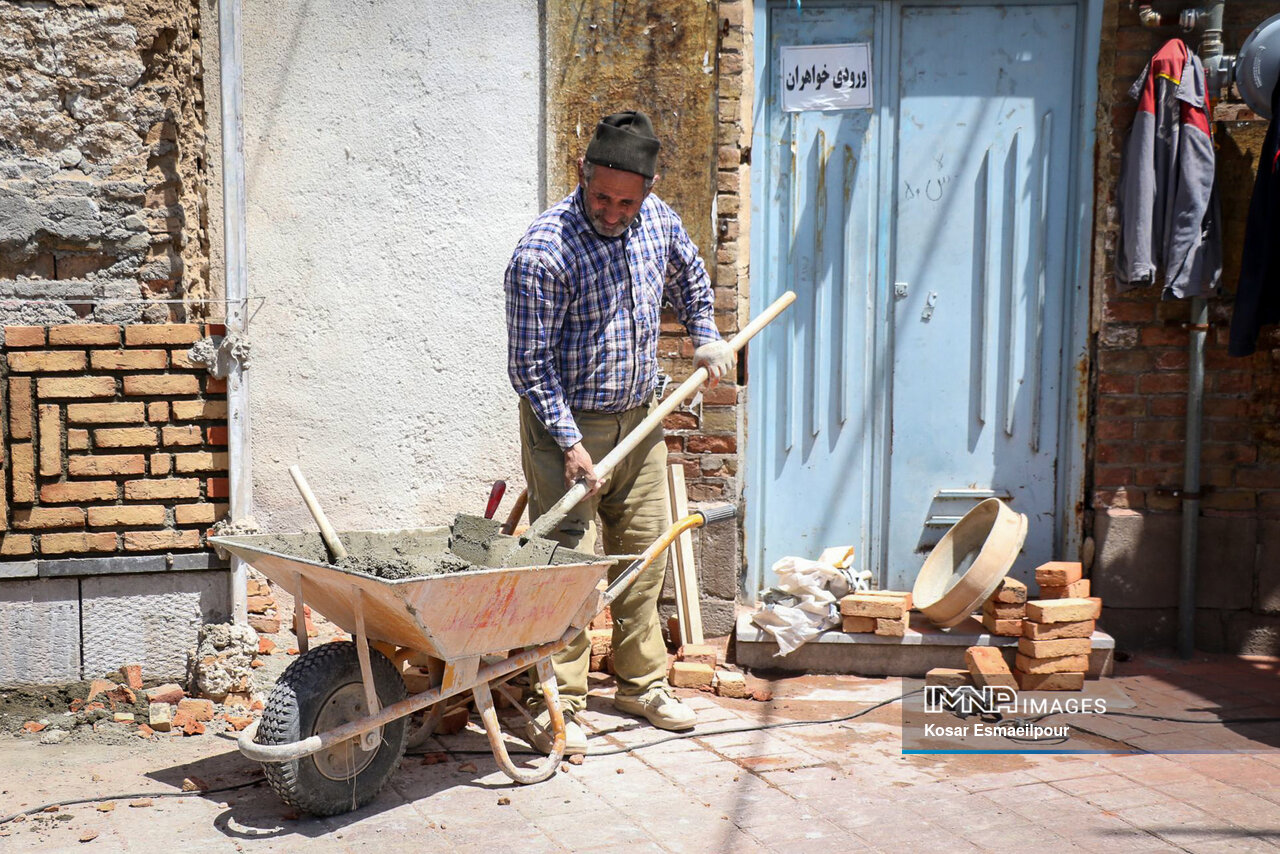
x: 584, y: 291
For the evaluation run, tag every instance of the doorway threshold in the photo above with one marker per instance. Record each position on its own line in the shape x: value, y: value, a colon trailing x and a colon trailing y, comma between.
x: 922, y: 648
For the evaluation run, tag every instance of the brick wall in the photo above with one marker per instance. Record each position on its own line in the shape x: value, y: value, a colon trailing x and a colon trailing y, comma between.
x: 708, y: 437
x: 114, y: 441
x: 1140, y: 396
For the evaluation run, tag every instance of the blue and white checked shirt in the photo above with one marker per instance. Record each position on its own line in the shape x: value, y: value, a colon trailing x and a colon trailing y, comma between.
x: 583, y: 311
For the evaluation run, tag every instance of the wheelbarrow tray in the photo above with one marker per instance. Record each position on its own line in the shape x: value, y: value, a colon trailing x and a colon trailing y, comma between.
x: 449, y: 615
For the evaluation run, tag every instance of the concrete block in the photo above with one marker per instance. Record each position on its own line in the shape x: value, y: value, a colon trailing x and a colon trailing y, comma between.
x: 18, y: 569
x: 1141, y: 628
x: 718, y: 617
x: 39, y: 631
x: 1268, y: 565
x: 150, y: 619
x: 717, y: 556
x: 1139, y: 559
x: 75, y: 567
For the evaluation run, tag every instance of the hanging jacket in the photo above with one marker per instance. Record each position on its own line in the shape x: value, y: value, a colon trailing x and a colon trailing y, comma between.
x: 1258, y: 294
x: 1168, y: 208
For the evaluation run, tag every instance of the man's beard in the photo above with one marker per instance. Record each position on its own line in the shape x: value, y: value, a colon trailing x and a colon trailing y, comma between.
x: 598, y: 225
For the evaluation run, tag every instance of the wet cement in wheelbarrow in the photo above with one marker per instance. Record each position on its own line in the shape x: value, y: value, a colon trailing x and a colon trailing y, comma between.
x: 473, y: 544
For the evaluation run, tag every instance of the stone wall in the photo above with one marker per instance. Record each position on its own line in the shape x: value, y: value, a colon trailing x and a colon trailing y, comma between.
x: 102, y: 161
x: 1140, y: 397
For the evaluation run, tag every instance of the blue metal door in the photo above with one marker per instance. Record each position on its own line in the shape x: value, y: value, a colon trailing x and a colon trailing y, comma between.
x: 926, y: 239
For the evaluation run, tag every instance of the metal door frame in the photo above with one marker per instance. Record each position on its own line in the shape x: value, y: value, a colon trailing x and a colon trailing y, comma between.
x: 1073, y: 388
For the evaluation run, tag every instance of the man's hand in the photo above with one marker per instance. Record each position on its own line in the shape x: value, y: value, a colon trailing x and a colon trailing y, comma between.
x: 577, y: 466
x: 717, y: 357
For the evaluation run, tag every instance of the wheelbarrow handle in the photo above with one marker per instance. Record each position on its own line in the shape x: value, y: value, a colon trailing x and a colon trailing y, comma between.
x: 696, y: 519
x: 547, y: 522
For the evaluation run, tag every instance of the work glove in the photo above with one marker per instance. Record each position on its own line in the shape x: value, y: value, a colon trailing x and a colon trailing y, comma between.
x: 717, y: 357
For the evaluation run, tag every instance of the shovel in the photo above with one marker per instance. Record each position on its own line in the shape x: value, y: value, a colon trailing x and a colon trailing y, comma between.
x: 548, y: 521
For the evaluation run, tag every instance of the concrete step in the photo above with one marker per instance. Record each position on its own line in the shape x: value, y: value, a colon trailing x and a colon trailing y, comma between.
x: 922, y: 648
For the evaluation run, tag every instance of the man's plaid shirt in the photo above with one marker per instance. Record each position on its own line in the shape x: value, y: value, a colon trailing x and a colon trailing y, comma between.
x: 583, y: 311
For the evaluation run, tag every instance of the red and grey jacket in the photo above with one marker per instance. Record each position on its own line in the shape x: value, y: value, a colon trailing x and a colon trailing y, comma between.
x: 1168, y: 207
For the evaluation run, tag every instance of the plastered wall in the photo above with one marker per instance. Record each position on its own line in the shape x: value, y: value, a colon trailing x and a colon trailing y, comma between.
x: 392, y: 163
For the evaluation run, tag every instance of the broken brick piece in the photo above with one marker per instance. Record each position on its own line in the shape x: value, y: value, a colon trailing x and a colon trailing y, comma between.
x: 1011, y: 592
x: 238, y: 723
x: 170, y: 694
x: 33, y: 727
x: 266, y: 646
x: 891, y: 628
x: 453, y: 722
x: 1058, y: 573
x: 132, y: 674
x: 988, y: 667
x: 197, y: 710
x: 729, y: 683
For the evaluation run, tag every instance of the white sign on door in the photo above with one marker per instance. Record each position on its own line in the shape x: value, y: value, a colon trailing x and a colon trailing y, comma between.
x: 826, y: 77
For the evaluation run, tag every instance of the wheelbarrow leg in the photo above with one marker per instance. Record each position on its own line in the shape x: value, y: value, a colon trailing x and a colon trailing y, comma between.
x: 540, y: 772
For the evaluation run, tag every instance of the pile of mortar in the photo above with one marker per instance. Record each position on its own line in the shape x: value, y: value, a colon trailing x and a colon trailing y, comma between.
x: 474, y: 543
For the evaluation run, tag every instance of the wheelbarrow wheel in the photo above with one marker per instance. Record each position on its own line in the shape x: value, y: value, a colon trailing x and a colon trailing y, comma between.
x: 318, y: 692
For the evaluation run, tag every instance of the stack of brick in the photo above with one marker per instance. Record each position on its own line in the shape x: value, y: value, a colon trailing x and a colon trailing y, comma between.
x: 115, y: 441
x: 263, y: 613
x: 1004, y: 610
x: 1062, y: 580
x: 882, y: 612
x: 1053, y: 652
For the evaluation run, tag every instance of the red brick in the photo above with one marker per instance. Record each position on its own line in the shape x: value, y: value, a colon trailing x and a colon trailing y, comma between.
x: 188, y: 435
x: 23, y: 336
x: 105, y: 413
x: 217, y: 487
x: 196, y: 709
x: 1175, y: 383
x: 194, y: 514
x: 158, y: 412
x: 128, y: 360
x: 212, y: 329
x: 161, y: 464
x: 200, y: 461
x: 150, y: 490
x: 711, y: 444
x: 1062, y: 610
x: 1078, y: 589
x: 199, y: 410
x: 215, y: 385
x: 987, y: 667
x: 1116, y: 406
x: 1160, y: 431
x: 50, y: 440
x: 1117, y: 384
x: 14, y: 545
x: 1050, y: 681
x: 161, y: 385
x: 67, y: 543
x: 150, y: 541
x: 1058, y: 664
x: 1173, y: 406
x: 1112, y: 428
x: 85, y: 334
x: 48, y: 517
x: 217, y: 436
x: 128, y: 515
x: 132, y: 673
x: 1057, y: 573
x: 680, y: 421
x: 142, y: 335
x: 125, y: 437
x: 106, y: 465
x: 76, y: 387
x: 170, y: 693
x: 22, y: 464
x: 79, y: 492
x: 48, y: 361
x: 21, y: 409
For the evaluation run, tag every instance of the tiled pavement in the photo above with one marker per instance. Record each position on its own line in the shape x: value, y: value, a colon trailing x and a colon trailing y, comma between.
x: 829, y: 787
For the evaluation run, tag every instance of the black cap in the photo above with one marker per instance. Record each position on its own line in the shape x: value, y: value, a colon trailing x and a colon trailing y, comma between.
x: 625, y: 141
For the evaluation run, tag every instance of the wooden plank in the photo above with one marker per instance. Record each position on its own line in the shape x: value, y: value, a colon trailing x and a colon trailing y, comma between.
x: 688, y: 605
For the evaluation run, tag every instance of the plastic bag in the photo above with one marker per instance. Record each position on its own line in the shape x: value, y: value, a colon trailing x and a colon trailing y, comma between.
x: 805, y: 601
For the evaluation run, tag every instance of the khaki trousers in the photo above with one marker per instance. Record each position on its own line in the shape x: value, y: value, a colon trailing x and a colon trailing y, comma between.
x: 633, y: 511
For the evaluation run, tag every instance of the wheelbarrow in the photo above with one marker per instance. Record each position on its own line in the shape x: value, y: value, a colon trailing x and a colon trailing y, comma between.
x: 335, y: 726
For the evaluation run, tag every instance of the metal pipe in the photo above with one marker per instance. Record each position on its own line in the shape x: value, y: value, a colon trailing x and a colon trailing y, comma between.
x: 1210, y: 53
x: 1199, y: 327
x: 236, y: 285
